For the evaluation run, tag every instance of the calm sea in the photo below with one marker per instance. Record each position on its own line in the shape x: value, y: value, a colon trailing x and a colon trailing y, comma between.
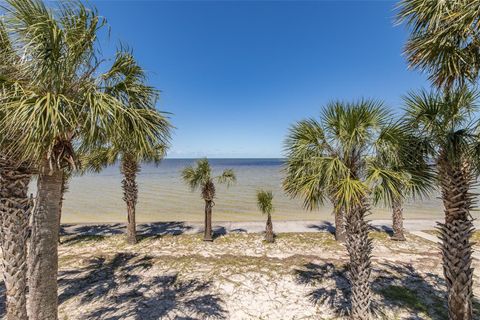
x: 164, y: 197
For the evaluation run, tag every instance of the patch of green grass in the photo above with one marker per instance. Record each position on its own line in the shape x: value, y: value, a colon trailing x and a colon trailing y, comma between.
x: 377, y: 235
x: 404, y: 297
x: 407, y: 298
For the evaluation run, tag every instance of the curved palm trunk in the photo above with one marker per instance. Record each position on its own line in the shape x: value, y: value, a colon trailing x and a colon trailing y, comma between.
x: 43, y: 254
x: 269, y: 237
x: 207, y: 236
x: 397, y: 221
x: 359, y: 248
x: 130, y: 169
x: 455, y: 234
x: 15, y: 209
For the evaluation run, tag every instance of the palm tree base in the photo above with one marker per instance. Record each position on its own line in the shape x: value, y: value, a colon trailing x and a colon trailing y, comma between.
x: 398, y: 237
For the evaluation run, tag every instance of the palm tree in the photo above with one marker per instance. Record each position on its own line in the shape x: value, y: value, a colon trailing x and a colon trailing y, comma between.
x: 345, y: 157
x: 62, y: 105
x: 126, y: 81
x: 264, y: 202
x: 444, y: 39
x: 417, y: 177
x: 448, y: 121
x: 15, y: 205
x: 201, y: 177
x: 15, y: 209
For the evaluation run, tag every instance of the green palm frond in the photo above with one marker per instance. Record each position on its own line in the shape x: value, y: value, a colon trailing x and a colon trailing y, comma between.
x: 199, y: 175
x: 350, y: 192
x: 264, y: 201
x: 56, y: 96
x: 444, y: 40
x: 327, y: 160
x: 228, y: 177
x: 447, y: 119
x: 386, y: 184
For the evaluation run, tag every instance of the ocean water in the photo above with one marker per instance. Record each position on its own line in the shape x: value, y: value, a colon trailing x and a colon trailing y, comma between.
x: 163, y: 196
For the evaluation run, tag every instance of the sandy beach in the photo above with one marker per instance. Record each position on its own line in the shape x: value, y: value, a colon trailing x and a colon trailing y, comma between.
x: 172, y: 274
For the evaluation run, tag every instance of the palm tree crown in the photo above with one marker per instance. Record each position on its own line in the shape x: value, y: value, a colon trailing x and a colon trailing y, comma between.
x: 264, y: 201
x: 444, y: 40
x: 350, y: 154
x: 201, y: 177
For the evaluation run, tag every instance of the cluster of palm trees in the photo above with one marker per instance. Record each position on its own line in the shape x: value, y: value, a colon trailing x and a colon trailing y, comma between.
x: 356, y: 156
x: 64, y: 108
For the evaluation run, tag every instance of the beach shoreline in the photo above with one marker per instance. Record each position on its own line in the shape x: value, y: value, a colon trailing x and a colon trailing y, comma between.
x: 223, y: 227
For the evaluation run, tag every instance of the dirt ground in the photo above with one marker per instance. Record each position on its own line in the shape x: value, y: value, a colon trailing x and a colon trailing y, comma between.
x: 239, y: 276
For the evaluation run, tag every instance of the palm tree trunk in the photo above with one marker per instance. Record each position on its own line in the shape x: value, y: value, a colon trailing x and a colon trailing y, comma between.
x: 269, y: 237
x: 397, y: 221
x: 130, y: 169
x: 359, y: 248
x: 455, y: 233
x: 43, y: 254
x: 15, y: 209
x: 340, y: 234
x: 65, y: 179
x: 208, y: 221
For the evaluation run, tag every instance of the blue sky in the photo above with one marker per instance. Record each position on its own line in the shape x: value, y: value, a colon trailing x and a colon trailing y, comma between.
x: 236, y: 75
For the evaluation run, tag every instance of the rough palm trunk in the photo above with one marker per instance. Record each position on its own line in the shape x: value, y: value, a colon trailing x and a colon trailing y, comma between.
x: 65, y: 179
x: 340, y: 234
x: 269, y: 237
x: 207, y: 236
x: 43, y: 254
x: 208, y: 194
x: 456, y: 182
x: 15, y: 209
x: 397, y: 221
x: 130, y: 170
x: 359, y: 248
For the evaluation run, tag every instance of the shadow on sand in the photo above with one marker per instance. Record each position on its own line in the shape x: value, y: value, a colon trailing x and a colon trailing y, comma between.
x: 119, y: 288
x: 2, y: 299
x: 396, y: 286
x: 323, y: 226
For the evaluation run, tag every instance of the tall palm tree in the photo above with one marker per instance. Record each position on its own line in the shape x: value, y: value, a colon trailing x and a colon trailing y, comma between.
x: 15, y: 205
x: 444, y: 39
x: 450, y: 124
x: 346, y: 155
x: 264, y: 202
x: 15, y: 209
x: 126, y: 80
x: 200, y: 177
x: 61, y: 102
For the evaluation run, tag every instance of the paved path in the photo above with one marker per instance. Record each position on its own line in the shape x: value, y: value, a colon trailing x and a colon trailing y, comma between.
x: 431, y: 237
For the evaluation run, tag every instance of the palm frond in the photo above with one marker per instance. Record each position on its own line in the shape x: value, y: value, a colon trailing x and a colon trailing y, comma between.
x: 228, y: 177
x: 264, y: 201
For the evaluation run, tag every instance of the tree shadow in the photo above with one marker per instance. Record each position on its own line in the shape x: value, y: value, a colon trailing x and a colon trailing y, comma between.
x: 81, y: 238
x: 324, y: 226
x: 334, y: 295
x: 159, y: 229
x: 218, y: 232
x: 121, y: 288
x: 3, y: 298
x: 382, y: 228
x: 395, y: 286
x: 92, y: 230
